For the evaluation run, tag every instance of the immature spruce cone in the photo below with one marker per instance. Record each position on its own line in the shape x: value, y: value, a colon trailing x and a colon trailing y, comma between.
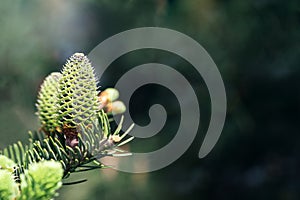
x: 77, y: 99
x: 47, y: 102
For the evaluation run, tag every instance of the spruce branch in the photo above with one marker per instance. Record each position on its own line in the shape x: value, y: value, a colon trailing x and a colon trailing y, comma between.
x: 75, y: 133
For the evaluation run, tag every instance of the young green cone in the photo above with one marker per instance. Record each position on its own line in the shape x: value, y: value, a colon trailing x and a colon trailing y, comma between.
x: 47, y: 102
x: 77, y: 100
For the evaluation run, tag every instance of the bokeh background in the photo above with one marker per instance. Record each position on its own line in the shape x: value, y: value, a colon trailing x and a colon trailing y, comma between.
x: 256, y: 46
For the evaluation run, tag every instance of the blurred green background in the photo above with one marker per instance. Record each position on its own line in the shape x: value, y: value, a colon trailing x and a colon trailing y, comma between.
x: 255, y: 44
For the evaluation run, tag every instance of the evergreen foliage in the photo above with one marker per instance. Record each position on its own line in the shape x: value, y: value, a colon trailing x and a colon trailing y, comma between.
x: 75, y: 132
